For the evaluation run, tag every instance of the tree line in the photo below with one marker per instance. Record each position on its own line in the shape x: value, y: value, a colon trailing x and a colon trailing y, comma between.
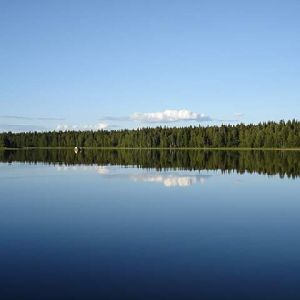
x: 283, y: 163
x: 263, y: 135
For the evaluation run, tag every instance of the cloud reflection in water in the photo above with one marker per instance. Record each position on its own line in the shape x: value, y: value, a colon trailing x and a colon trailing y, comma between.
x: 169, y: 178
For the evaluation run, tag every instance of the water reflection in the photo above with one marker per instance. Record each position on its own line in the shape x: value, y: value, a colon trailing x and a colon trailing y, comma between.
x: 283, y: 163
x: 167, y: 178
x: 175, y: 226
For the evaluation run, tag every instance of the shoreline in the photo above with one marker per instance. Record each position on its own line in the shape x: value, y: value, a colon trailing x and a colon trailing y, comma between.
x: 155, y: 148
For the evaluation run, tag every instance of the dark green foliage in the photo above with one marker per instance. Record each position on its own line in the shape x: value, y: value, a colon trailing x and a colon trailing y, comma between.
x: 268, y: 135
x: 283, y: 163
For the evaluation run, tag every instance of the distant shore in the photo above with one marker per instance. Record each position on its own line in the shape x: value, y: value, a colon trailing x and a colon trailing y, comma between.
x: 263, y: 136
x: 154, y: 148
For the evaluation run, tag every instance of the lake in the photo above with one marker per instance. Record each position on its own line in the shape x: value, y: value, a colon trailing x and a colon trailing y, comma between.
x: 141, y: 224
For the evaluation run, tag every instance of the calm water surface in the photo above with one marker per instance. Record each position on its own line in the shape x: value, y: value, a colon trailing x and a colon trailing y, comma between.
x: 165, y: 228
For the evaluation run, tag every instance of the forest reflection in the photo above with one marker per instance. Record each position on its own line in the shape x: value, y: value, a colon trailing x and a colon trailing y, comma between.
x: 282, y: 163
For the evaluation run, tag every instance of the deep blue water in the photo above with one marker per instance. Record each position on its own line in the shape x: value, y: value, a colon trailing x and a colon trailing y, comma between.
x: 111, y: 232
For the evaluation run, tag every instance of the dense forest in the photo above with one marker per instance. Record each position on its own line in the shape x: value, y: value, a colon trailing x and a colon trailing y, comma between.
x: 269, y: 135
x: 283, y: 163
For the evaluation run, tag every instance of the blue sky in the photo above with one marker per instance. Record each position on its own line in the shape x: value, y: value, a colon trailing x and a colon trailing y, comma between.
x: 93, y: 64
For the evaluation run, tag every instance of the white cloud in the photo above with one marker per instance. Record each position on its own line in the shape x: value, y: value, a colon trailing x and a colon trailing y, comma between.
x: 101, y: 126
x: 30, y: 118
x: 95, y: 127
x: 170, y: 116
x: 21, y: 127
x: 62, y: 127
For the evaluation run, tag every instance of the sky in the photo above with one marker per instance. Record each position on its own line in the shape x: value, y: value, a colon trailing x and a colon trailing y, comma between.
x: 126, y: 64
